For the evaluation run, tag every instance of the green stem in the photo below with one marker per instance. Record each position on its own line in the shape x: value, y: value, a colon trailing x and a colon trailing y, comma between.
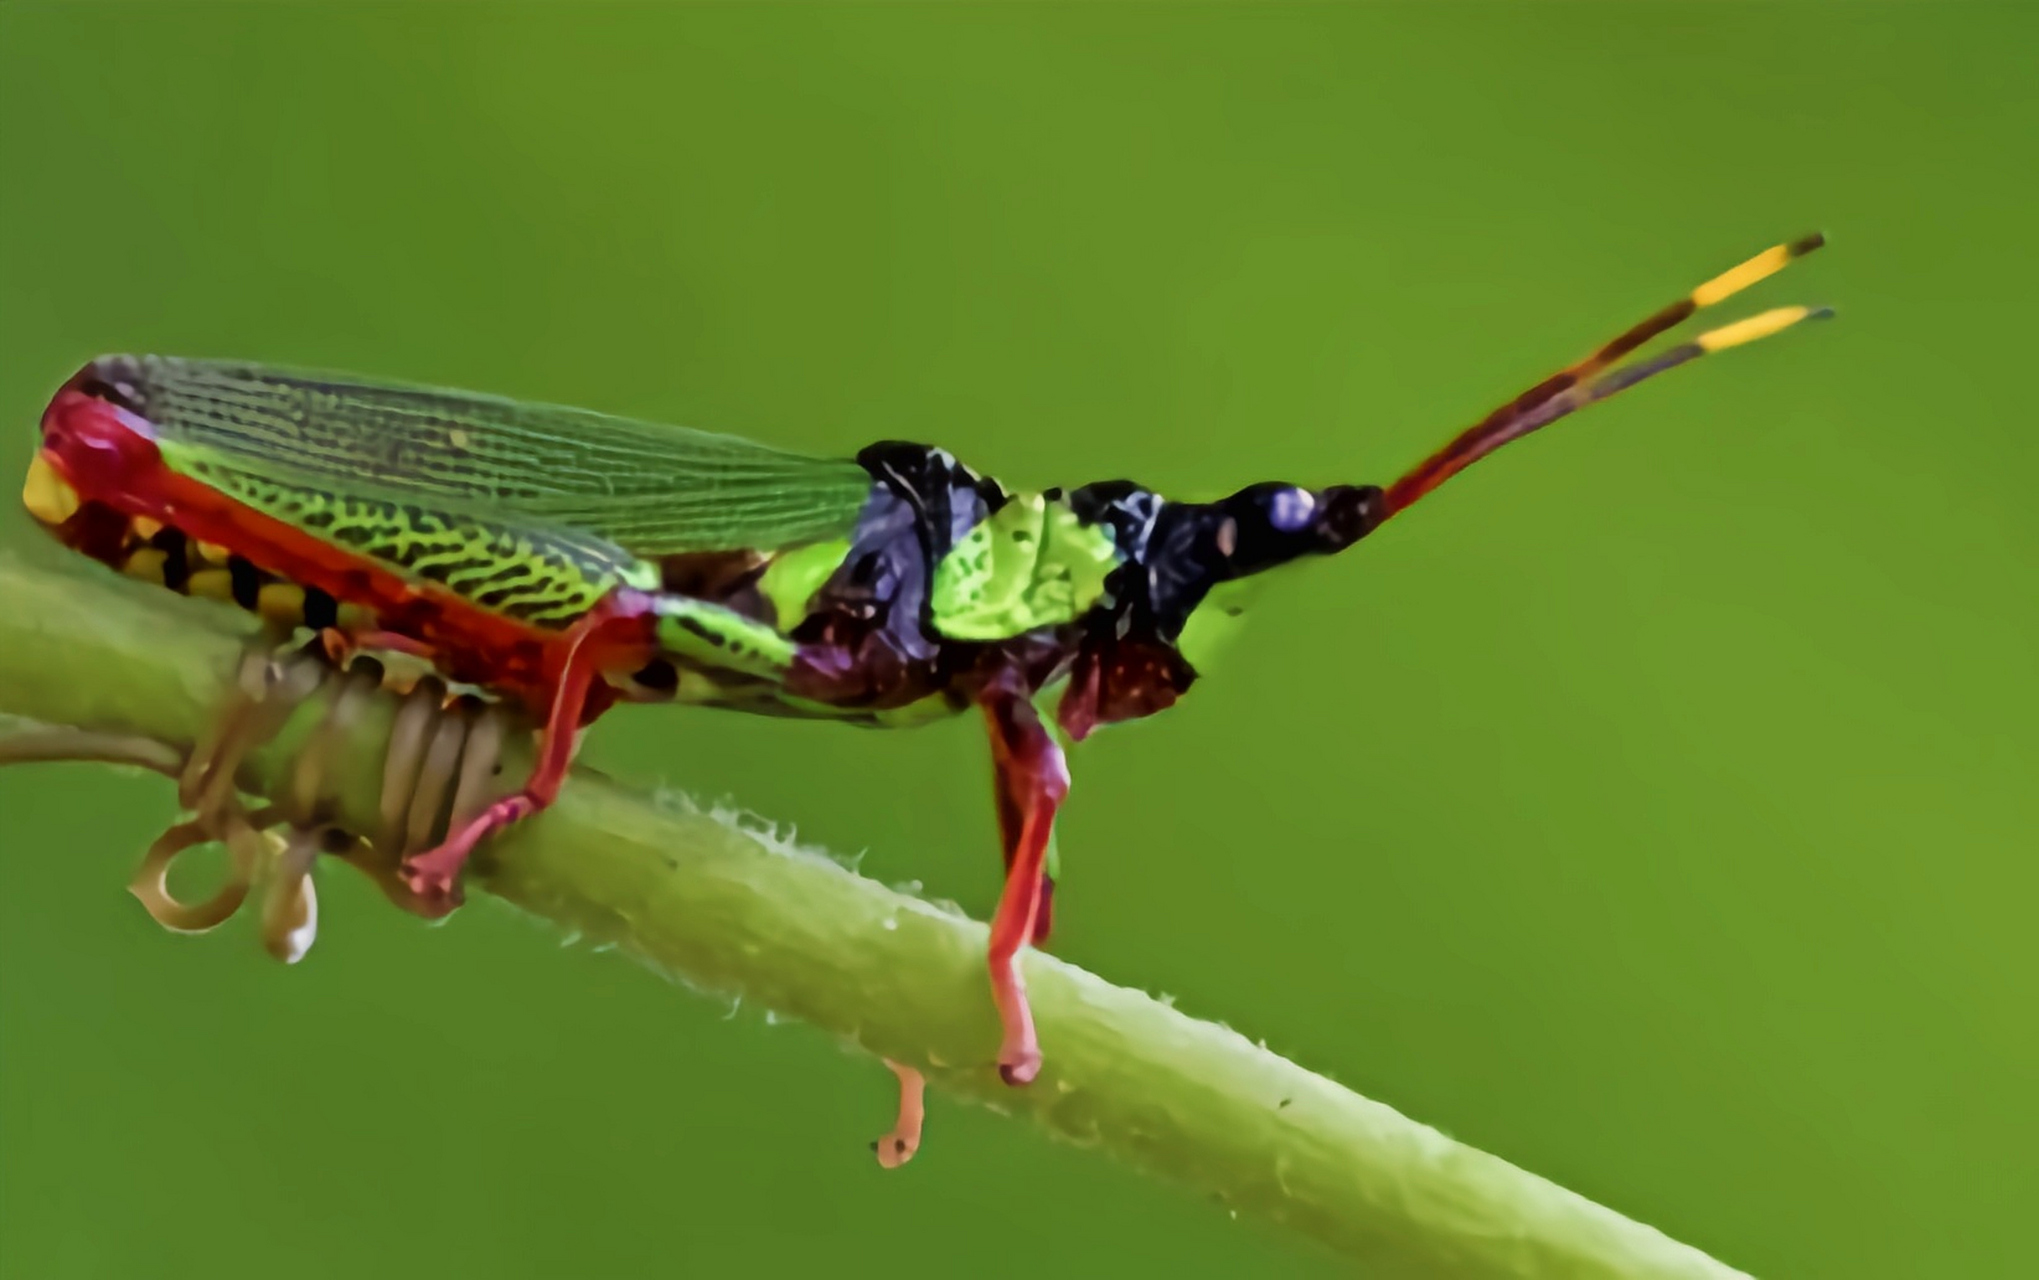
x: 735, y: 912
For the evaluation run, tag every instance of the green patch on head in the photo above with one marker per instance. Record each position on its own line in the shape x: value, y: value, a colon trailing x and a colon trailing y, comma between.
x: 1033, y: 564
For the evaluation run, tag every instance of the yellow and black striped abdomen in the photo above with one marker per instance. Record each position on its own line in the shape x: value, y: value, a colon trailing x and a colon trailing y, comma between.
x: 166, y: 557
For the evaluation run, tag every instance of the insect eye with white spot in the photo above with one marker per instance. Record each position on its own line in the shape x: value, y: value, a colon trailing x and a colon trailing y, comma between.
x: 1289, y: 509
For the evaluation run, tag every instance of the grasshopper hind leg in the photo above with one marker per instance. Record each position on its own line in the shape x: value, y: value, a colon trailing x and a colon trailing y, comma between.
x: 579, y: 656
x: 434, y: 874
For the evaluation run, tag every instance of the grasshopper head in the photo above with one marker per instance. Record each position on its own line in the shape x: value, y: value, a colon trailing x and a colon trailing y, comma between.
x: 1196, y: 546
x: 1136, y: 658
x: 1264, y: 526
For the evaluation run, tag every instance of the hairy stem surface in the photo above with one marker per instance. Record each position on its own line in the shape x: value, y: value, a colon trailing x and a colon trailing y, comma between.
x: 732, y: 912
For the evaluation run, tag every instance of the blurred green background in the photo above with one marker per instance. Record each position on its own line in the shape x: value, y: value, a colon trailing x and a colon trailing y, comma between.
x: 1654, y: 809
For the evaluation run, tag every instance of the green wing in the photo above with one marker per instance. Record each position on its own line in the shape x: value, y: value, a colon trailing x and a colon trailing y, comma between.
x: 648, y: 489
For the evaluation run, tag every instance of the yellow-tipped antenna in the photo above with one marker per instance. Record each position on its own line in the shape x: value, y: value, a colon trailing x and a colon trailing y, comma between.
x: 1740, y: 333
x: 1761, y: 267
x: 1586, y: 381
x: 1762, y: 326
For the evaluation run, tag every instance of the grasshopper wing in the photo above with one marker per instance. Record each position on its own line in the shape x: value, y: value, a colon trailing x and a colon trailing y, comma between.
x: 648, y: 489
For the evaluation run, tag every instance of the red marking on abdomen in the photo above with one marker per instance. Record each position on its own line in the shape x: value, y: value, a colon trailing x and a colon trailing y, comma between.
x: 109, y: 456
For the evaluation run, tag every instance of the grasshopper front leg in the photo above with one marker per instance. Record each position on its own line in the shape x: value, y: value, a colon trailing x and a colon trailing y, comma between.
x: 1032, y: 779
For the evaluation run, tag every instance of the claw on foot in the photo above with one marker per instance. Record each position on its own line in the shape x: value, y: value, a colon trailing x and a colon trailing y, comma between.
x: 435, y: 882
x: 1019, y: 1055
x: 898, y: 1146
x: 1019, y: 1066
x: 434, y: 875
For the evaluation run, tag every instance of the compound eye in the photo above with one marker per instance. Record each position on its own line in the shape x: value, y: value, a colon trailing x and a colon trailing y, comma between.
x: 1289, y: 510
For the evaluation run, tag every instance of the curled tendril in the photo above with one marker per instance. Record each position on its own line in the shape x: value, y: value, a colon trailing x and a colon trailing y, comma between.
x: 443, y: 757
x: 439, y: 769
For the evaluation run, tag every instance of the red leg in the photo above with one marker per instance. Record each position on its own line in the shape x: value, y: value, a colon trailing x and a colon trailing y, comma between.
x: 434, y: 874
x: 898, y: 1146
x: 1011, y: 823
x: 1032, y: 779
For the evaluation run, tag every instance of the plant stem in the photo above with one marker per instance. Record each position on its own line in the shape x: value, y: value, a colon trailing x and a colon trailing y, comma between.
x: 735, y: 912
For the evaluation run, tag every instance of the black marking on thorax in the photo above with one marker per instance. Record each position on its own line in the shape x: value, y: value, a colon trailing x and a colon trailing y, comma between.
x: 948, y: 498
x: 922, y: 502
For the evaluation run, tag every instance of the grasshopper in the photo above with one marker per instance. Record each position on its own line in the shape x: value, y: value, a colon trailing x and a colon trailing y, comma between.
x: 567, y: 560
